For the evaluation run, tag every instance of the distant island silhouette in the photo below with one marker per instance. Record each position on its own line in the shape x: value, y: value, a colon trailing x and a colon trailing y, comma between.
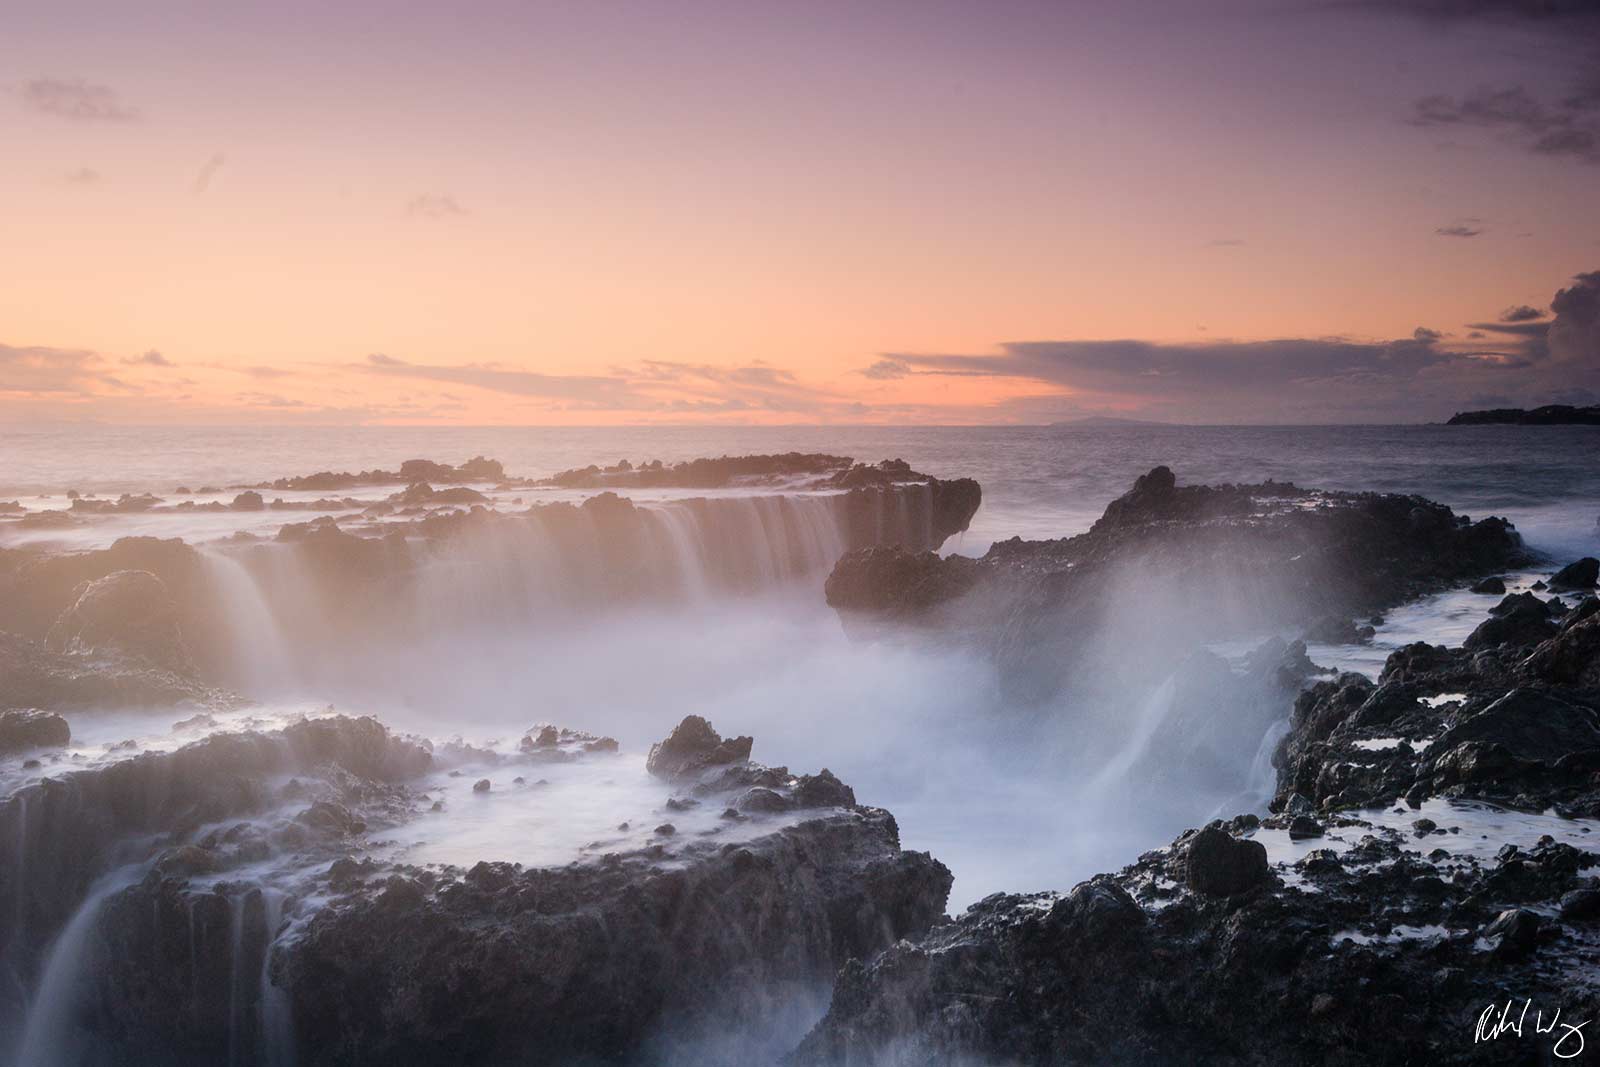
x: 1549, y: 415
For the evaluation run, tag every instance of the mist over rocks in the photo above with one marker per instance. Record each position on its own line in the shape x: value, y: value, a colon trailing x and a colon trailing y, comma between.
x: 1169, y: 561
x: 79, y: 825
x: 1429, y: 888
x: 367, y: 571
x: 129, y: 611
x: 694, y: 747
x: 232, y: 900
x: 24, y: 729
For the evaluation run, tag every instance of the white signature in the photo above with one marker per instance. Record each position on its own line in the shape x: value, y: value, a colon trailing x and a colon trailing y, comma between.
x: 1498, y: 1020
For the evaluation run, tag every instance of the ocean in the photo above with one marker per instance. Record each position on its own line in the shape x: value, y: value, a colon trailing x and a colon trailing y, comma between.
x: 1038, y: 481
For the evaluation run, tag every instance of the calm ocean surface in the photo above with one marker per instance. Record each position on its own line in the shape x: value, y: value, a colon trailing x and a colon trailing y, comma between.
x: 1037, y: 481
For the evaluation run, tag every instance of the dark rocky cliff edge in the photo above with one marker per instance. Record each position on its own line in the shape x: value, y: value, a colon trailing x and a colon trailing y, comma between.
x: 1398, y: 922
x: 1169, y: 561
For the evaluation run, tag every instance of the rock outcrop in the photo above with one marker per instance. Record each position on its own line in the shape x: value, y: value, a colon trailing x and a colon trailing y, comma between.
x: 29, y: 728
x: 126, y: 611
x: 1167, y: 563
x: 1413, y: 890
x: 712, y: 945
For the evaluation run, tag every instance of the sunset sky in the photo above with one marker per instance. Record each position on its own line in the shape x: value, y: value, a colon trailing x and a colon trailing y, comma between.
x: 551, y: 213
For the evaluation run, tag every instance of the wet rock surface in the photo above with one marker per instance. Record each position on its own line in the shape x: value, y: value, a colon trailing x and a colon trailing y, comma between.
x: 28, y: 728
x: 617, y: 957
x: 1444, y: 881
x: 1224, y: 559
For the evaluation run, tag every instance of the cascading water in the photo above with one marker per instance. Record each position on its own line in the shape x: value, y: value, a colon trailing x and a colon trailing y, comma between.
x: 288, y: 613
x: 254, y: 641
x: 275, y: 1024
x: 51, y: 1036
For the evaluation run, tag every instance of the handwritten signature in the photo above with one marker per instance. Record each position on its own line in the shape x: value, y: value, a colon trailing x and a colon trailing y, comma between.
x: 1498, y: 1020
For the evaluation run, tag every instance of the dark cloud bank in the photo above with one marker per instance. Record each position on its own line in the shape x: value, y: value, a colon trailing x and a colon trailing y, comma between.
x: 1515, y: 359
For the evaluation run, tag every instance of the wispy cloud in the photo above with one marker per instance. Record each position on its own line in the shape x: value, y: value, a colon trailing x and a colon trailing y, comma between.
x: 434, y: 206
x: 588, y: 390
x: 1566, y: 129
x: 152, y: 358
x: 1459, y: 229
x: 77, y: 100
x: 38, y: 369
x: 208, y: 170
x: 81, y: 177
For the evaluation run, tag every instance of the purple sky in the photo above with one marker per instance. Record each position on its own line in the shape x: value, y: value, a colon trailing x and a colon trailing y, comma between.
x: 756, y: 212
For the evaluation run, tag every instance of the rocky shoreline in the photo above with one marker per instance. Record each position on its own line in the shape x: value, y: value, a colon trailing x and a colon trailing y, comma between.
x: 1220, y: 560
x: 268, y: 890
x: 1426, y: 872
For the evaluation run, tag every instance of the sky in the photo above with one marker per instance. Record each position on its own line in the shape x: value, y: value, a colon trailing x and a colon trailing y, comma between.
x: 530, y: 213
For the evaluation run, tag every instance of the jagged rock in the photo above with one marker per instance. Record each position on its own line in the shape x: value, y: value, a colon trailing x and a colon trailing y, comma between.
x: 893, y: 581
x: 1337, y: 630
x: 1530, y: 725
x: 823, y: 790
x: 1519, y: 619
x: 29, y: 728
x: 1223, y: 560
x: 1581, y: 574
x: 127, y: 611
x: 31, y: 676
x: 1571, y: 657
x: 594, y: 962
x: 693, y: 747
x: 1219, y: 864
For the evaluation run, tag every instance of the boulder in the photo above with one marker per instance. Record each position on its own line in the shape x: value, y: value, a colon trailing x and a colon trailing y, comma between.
x: 1218, y: 864
x: 30, y: 728
x: 692, y: 747
x: 1581, y: 574
x: 1492, y: 586
x: 1528, y: 724
x: 1520, y: 620
x: 126, y: 611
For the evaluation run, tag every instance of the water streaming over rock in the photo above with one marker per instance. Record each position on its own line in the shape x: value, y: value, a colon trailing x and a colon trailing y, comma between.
x: 53, y: 1035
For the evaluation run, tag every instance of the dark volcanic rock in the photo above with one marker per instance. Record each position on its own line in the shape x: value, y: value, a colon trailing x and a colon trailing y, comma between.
x: 1579, y: 575
x: 1530, y: 725
x: 694, y: 747
x: 29, y: 728
x: 126, y: 611
x: 73, y: 828
x: 31, y: 676
x: 1521, y: 619
x: 1218, y: 864
x: 1216, y: 958
x: 893, y: 581
x: 1203, y: 560
x: 624, y: 959
x: 1491, y: 586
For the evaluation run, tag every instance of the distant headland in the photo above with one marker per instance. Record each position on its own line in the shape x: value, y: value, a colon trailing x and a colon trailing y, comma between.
x: 1549, y: 415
